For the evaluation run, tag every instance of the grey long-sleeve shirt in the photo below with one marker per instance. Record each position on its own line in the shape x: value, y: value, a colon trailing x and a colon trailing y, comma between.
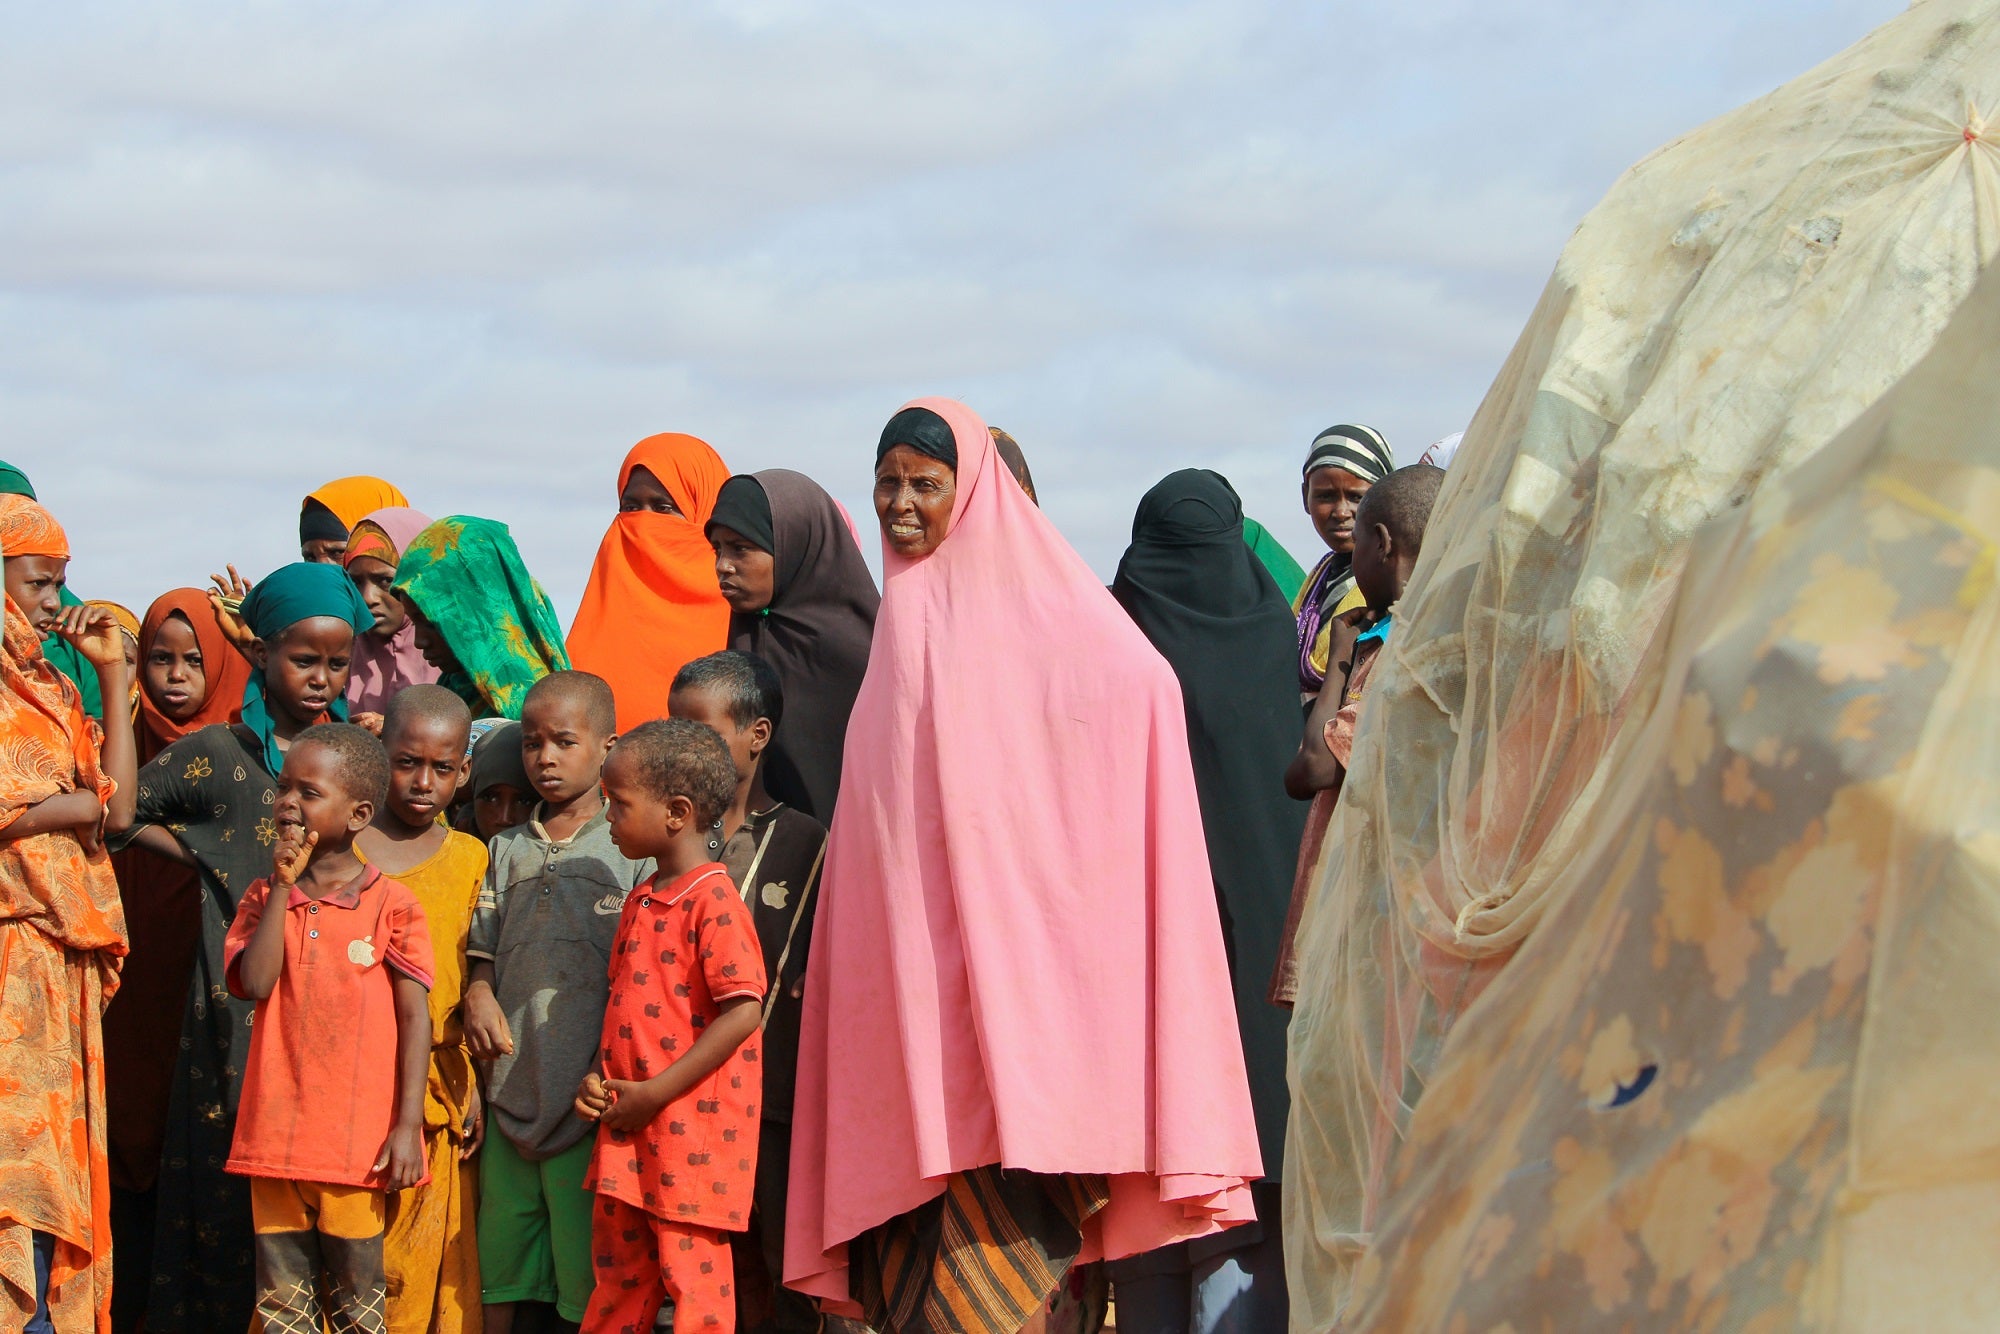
x: 547, y: 917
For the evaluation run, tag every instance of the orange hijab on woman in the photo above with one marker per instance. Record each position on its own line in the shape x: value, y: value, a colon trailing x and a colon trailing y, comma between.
x: 653, y: 604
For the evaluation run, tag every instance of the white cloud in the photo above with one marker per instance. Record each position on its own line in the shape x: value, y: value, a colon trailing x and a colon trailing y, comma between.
x: 482, y: 248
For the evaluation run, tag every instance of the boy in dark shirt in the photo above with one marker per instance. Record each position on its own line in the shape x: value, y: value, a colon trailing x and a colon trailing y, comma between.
x: 773, y: 854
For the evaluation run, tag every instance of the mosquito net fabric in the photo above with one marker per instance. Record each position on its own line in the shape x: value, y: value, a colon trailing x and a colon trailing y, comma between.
x: 1744, y: 1076
x: 1737, y: 301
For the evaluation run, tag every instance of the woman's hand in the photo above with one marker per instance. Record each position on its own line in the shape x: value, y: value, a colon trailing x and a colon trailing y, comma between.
x: 226, y: 601
x: 96, y: 634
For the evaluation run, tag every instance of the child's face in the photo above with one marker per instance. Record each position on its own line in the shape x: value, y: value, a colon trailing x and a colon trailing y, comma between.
x: 642, y: 825
x: 746, y: 744
x: 175, y: 677
x: 564, y: 754
x: 375, y: 581
x: 429, y: 642
x: 312, y: 798
x: 501, y: 806
x: 427, y: 762
x: 1374, y: 566
x: 746, y: 572
x: 35, y: 583
x: 305, y: 666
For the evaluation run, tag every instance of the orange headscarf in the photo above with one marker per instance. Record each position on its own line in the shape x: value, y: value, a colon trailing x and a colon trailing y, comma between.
x: 353, y: 499
x: 226, y: 671
x: 652, y: 604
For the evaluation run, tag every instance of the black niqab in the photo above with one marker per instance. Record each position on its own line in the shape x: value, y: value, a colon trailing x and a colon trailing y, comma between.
x: 1216, y: 615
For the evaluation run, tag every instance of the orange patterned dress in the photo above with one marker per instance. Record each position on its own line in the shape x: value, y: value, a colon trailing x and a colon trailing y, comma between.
x: 62, y: 931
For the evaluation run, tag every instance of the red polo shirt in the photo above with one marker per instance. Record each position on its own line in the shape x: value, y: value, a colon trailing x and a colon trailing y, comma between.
x: 319, y: 1089
x: 682, y: 950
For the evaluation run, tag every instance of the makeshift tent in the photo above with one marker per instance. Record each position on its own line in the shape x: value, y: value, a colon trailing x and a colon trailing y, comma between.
x: 1738, y: 300
x: 1744, y: 1077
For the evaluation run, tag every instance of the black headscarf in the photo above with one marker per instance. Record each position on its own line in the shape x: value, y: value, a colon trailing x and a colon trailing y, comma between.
x: 815, y: 634
x: 742, y: 506
x: 1216, y: 615
x: 922, y: 430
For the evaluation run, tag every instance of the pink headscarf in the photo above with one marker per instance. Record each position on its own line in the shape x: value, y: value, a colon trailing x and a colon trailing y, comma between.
x: 383, y: 667
x: 1017, y: 957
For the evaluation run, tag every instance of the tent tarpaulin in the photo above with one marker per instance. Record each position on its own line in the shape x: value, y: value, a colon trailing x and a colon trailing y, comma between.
x: 1737, y: 301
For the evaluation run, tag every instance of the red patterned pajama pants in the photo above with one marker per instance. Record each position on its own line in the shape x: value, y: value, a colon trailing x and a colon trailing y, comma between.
x: 641, y: 1260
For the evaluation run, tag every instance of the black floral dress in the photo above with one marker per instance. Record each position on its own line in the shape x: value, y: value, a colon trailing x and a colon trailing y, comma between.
x: 212, y: 792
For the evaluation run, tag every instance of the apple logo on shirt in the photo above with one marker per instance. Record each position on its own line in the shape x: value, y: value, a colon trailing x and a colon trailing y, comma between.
x: 361, y: 951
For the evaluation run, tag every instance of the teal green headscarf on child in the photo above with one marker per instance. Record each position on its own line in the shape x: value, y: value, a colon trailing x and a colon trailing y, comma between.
x: 59, y: 651
x: 280, y: 600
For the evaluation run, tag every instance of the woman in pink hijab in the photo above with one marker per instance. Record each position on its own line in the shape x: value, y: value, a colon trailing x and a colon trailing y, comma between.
x: 1019, y: 1048
x: 385, y: 658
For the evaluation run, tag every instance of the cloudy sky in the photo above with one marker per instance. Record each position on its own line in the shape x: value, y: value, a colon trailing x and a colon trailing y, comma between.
x: 482, y: 248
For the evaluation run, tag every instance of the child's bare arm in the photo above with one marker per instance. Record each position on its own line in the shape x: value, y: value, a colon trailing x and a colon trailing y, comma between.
x: 402, y: 1159
x: 263, y: 959
x: 162, y: 844
x: 636, y: 1102
x: 486, y: 1033
x: 1314, y: 769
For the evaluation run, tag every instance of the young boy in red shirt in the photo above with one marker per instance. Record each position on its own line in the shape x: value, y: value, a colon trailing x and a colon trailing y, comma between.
x: 332, y: 1114
x: 675, y: 1097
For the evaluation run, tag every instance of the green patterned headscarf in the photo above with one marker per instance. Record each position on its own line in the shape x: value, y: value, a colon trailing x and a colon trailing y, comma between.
x: 465, y: 576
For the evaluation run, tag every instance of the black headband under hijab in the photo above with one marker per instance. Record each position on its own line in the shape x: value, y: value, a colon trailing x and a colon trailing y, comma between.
x: 317, y: 523
x: 922, y: 430
x: 742, y: 506
x: 1361, y: 450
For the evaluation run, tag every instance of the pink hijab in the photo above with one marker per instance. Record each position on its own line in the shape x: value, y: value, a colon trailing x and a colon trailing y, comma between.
x: 381, y: 668
x: 1017, y: 957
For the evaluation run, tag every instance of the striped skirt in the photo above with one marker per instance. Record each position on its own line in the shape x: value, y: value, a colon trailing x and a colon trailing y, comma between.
x: 984, y: 1257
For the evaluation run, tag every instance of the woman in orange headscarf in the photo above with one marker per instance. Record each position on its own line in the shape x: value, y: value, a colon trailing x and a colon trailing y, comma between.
x: 189, y: 677
x: 328, y: 514
x: 61, y: 932
x: 653, y: 604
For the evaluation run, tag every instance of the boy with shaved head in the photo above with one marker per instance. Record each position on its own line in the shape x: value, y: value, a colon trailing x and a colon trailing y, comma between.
x: 540, y: 940
x: 430, y: 1251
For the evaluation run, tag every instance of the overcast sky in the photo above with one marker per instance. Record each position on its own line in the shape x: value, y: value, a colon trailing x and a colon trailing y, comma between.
x: 480, y: 249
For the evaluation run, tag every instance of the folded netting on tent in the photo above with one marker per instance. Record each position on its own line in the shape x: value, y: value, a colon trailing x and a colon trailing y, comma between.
x: 1745, y: 1076
x: 1736, y: 301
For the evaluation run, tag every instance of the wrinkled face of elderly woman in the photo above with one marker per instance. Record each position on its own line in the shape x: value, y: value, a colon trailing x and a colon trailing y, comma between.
x: 913, y: 499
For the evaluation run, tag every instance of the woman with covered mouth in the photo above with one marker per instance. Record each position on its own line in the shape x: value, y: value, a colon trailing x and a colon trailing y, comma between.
x: 205, y: 801
x: 1018, y: 1021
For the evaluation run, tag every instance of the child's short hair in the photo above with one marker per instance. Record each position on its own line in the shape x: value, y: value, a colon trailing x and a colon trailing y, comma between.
x: 358, y: 757
x: 1402, y: 502
x: 748, y: 685
x: 678, y: 758
x: 573, y: 687
x: 425, y: 704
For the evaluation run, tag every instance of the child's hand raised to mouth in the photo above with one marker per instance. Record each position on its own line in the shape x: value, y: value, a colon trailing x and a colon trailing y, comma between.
x: 290, y: 858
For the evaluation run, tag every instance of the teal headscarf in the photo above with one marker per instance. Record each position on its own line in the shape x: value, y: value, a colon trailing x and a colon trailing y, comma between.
x: 282, y: 599
x: 59, y: 651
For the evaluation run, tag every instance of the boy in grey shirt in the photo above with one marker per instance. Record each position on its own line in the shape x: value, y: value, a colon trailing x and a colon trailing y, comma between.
x: 538, y: 984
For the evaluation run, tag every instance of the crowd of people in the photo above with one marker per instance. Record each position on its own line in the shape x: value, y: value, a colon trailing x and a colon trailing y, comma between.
x: 787, y: 952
